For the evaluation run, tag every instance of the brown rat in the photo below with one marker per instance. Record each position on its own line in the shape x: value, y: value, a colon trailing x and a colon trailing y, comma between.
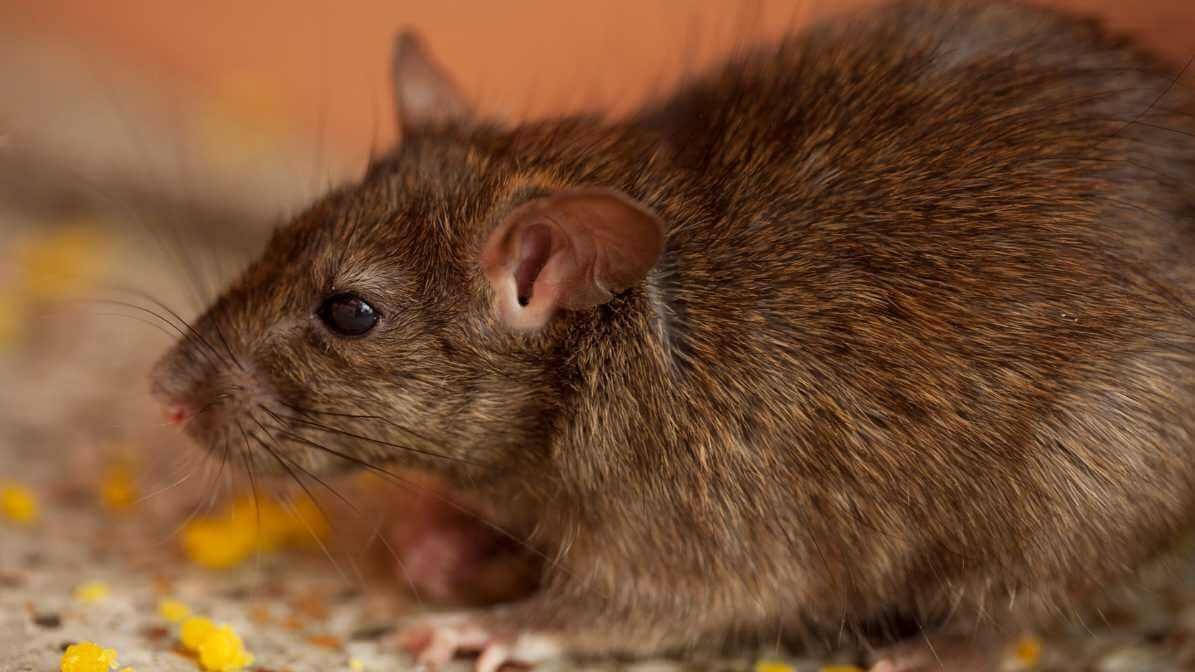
x: 891, y: 318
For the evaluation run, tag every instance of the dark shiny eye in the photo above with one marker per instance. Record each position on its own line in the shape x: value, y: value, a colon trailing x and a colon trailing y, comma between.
x: 347, y: 315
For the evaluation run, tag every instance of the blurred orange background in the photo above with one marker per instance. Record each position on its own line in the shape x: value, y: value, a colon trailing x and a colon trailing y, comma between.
x: 321, y: 66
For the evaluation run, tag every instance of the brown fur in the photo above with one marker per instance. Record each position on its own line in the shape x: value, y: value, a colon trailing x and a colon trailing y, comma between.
x: 921, y: 340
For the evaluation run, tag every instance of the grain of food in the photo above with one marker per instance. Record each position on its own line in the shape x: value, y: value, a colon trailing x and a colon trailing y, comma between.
x: 92, y: 592
x: 18, y: 504
x: 87, y: 657
x: 173, y: 610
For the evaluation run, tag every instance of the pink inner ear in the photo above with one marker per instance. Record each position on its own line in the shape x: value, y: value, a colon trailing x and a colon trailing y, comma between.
x: 535, y: 247
x: 569, y: 251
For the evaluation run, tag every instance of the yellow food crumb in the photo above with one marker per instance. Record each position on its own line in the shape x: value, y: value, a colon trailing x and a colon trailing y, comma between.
x: 773, y: 666
x: 87, y: 657
x: 118, y: 487
x: 356, y: 665
x: 1027, y: 651
x: 229, y: 538
x: 92, y: 591
x: 264, y: 517
x: 173, y: 610
x: 18, y: 504
x: 216, y: 544
x: 193, y: 631
x: 221, y: 650
x: 310, y: 526
x: 61, y: 264
x: 218, y: 647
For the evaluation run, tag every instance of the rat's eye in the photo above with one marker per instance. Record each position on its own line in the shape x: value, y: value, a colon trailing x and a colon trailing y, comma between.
x: 347, y: 315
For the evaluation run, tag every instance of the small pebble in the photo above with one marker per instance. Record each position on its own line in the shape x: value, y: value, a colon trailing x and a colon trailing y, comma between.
x: 49, y: 621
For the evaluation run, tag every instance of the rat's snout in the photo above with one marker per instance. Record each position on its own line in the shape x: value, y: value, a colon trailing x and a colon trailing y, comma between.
x: 169, y: 387
x: 201, y: 398
x: 176, y: 413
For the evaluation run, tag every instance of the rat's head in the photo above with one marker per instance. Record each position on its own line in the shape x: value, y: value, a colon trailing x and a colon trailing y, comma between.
x: 421, y: 316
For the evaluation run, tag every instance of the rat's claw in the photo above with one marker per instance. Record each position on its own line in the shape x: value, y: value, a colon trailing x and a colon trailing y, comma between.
x: 435, y: 640
x: 527, y: 649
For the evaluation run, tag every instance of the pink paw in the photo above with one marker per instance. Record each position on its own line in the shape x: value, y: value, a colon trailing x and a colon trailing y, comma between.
x: 436, y: 639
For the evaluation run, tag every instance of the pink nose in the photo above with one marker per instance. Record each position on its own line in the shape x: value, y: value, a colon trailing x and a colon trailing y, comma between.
x: 176, y: 414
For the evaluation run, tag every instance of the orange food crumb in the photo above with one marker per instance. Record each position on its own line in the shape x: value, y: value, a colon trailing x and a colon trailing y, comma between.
x: 326, y: 641
x: 310, y: 527
x: 1027, y: 651
x: 18, y: 504
x: 773, y: 666
x: 87, y: 657
x: 260, y: 615
x: 118, y: 486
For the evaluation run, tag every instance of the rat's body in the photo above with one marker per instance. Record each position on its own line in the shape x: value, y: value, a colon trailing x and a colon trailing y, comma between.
x: 920, y: 338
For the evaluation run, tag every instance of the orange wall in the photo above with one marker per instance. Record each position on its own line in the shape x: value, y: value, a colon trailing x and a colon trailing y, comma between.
x: 319, y: 59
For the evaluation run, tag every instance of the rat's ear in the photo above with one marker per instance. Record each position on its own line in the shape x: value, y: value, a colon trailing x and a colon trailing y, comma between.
x: 571, y: 250
x: 425, y: 95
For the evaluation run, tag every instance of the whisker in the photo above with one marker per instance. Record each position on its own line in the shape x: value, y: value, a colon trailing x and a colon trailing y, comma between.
x: 294, y: 512
x: 273, y: 453
x: 396, y: 479
x: 332, y: 430
x: 227, y: 348
x: 401, y: 565
x: 134, y: 318
x: 310, y: 475
x: 221, y: 482
x: 248, y: 458
x: 194, y: 335
x: 195, y: 511
x: 1165, y: 92
x: 159, y: 491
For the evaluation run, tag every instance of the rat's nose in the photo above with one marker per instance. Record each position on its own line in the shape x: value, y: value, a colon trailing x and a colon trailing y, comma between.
x: 176, y: 408
x: 177, y: 413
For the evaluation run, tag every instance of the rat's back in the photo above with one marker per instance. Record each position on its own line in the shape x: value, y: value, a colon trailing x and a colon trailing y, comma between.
x: 945, y: 263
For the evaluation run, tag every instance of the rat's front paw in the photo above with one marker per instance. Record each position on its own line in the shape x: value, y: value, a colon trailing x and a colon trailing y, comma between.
x: 436, y: 639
